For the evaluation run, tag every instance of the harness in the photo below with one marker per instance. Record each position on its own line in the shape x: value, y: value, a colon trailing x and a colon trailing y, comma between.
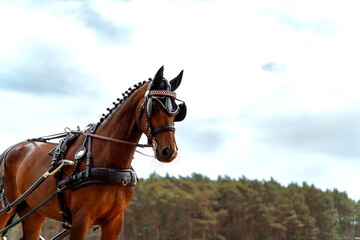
x: 126, y: 177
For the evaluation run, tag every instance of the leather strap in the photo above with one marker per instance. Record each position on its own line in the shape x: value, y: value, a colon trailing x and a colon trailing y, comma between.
x: 126, y: 177
x: 165, y: 128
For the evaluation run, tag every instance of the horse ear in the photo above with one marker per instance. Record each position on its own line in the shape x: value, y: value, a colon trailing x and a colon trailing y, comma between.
x: 158, y: 77
x: 175, y: 83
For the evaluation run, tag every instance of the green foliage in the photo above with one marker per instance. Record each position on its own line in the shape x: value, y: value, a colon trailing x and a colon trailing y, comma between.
x: 197, y: 207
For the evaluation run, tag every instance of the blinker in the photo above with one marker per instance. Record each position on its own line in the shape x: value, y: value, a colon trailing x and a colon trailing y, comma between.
x: 149, y: 108
x: 182, y: 113
x: 169, y: 105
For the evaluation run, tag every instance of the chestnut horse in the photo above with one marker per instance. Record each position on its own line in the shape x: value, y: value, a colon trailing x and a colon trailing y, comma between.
x: 149, y: 108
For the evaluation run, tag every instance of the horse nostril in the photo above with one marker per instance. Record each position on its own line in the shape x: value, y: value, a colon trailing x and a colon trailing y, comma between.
x: 166, y: 152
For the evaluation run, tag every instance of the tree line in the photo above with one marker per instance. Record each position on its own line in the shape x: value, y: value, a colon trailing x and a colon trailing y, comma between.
x: 197, y: 207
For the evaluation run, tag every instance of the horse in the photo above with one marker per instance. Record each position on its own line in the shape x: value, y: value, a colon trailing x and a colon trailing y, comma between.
x: 150, y: 108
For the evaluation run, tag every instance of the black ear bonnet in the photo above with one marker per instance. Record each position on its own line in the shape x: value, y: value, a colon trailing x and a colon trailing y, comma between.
x: 166, y: 99
x: 160, y: 91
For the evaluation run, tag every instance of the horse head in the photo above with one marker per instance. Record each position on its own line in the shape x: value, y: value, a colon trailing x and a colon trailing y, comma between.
x: 157, y: 113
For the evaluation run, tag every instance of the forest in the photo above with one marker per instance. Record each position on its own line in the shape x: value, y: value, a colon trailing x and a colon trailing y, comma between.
x: 196, y: 207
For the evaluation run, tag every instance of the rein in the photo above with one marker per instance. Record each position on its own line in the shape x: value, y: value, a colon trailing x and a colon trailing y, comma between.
x: 86, y: 133
x: 9, y: 206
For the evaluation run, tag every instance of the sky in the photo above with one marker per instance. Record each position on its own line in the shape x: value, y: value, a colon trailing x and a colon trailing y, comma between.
x: 271, y: 86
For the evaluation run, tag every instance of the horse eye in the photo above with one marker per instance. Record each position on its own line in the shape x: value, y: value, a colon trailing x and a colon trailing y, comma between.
x: 155, y: 108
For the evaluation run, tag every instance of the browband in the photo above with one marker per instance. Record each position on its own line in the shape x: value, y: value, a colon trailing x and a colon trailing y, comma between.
x: 167, y: 93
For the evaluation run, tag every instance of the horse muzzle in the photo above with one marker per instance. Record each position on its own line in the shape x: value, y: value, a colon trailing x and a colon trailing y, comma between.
x: 166, y: 154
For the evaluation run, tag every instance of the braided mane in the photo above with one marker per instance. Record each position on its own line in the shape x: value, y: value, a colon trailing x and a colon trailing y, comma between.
x: 119, y: 102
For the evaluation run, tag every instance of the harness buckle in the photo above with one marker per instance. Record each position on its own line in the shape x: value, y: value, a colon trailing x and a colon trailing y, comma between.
x: 154, y: 144
x: 124, y: 182
x: 61, y: 187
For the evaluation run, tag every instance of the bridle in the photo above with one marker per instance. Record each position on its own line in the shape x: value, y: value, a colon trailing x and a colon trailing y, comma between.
x: 146, y: 106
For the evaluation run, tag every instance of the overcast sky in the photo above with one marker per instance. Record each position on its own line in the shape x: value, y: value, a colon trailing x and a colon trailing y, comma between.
x: 271, y: 86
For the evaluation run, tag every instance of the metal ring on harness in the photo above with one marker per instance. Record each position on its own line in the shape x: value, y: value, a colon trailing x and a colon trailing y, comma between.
x: 124, y: 182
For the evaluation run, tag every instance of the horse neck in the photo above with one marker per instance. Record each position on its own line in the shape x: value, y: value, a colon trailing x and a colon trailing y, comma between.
x: 121, y: 124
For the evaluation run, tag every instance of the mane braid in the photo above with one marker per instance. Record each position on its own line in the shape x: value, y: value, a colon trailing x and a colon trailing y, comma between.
x: 119, y: 102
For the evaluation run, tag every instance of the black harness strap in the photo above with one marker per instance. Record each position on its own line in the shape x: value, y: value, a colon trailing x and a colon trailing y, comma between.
x: 59, y: 154
x: 126, y: 177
